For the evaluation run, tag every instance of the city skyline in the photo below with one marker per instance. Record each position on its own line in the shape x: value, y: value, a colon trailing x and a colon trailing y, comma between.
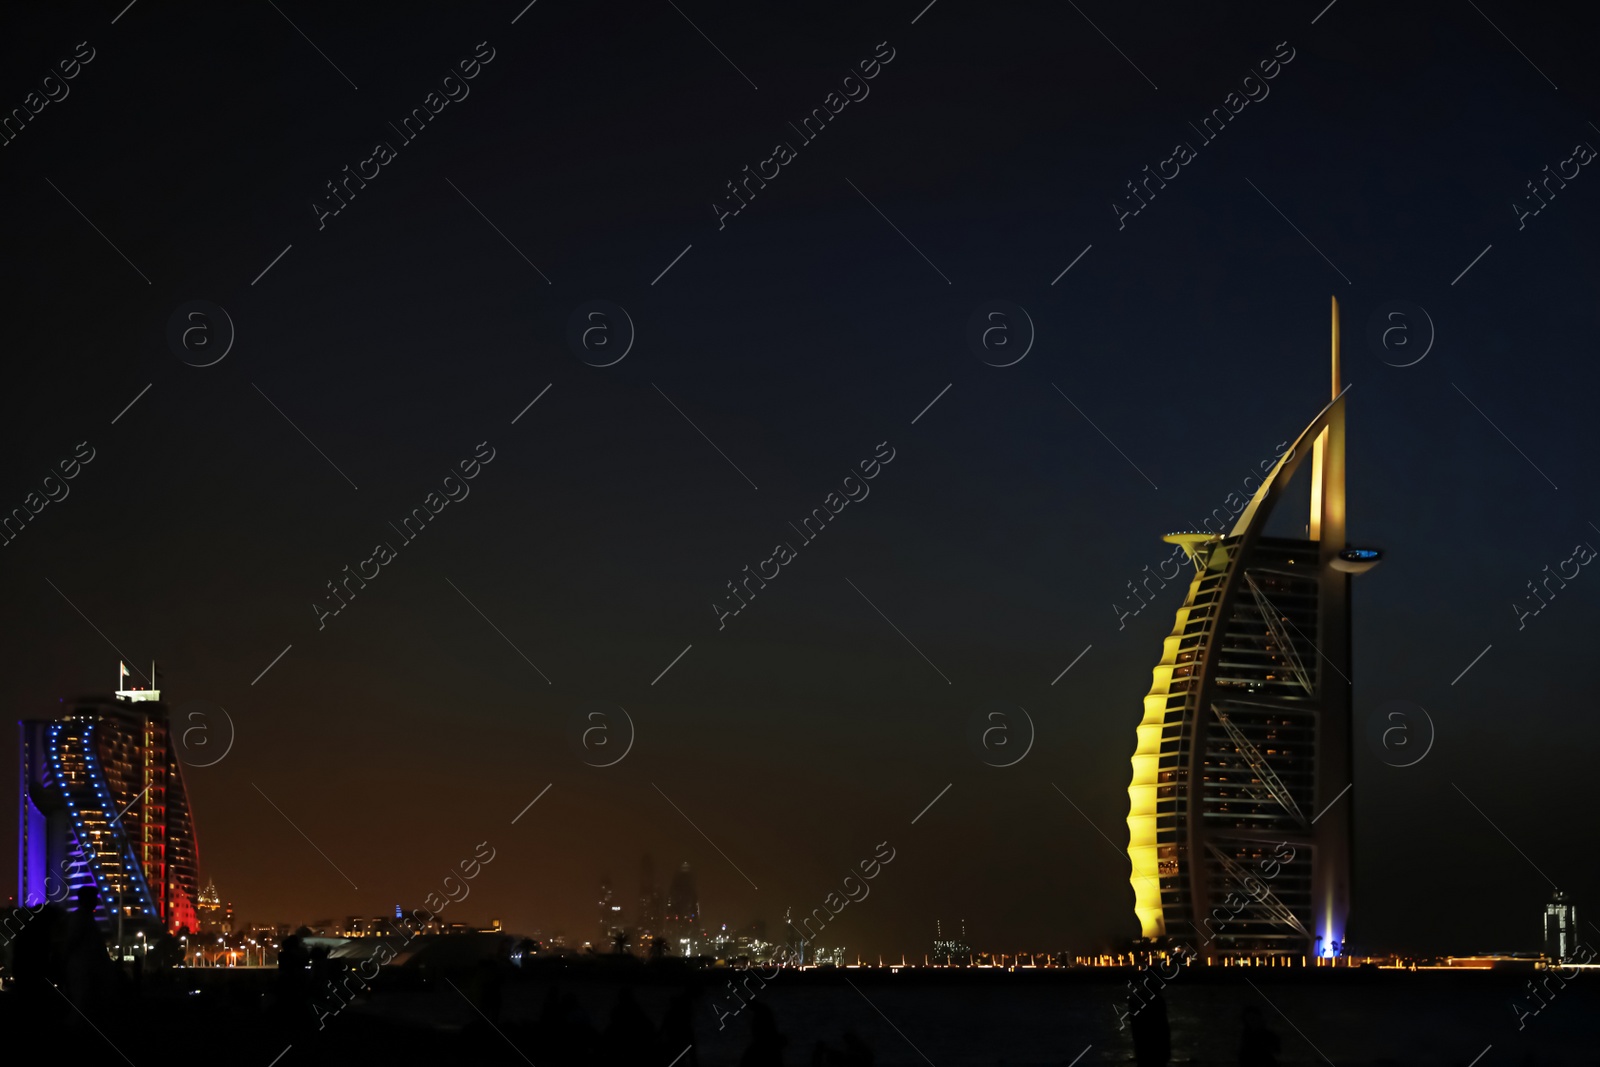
x: 674, y: 917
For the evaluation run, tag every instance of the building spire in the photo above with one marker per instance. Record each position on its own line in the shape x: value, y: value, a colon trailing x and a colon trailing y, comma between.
x: 1327, y: 472
x: 1334, y: 395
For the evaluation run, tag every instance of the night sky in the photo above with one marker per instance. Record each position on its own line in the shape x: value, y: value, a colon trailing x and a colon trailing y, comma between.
x: 786, y: 345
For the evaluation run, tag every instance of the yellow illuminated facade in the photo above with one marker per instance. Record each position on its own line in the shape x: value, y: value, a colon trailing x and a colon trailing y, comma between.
x: 1238, y: 827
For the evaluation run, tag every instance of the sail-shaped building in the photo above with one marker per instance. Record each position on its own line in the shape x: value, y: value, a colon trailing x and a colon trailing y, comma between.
x: 1239, y: 830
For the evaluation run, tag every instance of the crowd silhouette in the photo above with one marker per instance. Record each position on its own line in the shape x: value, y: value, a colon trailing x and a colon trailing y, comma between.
x: 67, y: 951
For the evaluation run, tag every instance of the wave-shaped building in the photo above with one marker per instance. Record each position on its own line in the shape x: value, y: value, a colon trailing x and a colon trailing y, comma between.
x: 1239, y: 830
x: 103, y: 804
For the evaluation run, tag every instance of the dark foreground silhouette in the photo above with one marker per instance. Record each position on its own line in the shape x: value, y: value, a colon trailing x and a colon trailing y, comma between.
x: 63, y: 987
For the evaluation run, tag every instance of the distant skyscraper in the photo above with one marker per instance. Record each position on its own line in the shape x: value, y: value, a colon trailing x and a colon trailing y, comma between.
x: 609, y: 916
x: 103, y: 804
x: 1238, y: 841
x: 649, y: 923
x: 682, y: 919
x: 794, y: 941
x: 208, y: 911
x: 1560, y: 927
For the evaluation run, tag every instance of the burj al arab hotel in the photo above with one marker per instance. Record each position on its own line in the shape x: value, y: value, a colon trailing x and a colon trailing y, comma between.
x: 1239, y: 824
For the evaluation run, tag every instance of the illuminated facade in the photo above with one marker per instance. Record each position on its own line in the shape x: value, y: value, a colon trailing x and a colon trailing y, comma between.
x: 1560, y: 927
x: 953, y: 950
x: 103, y: 804
x: 1238, y: 836
x: 213, y: 915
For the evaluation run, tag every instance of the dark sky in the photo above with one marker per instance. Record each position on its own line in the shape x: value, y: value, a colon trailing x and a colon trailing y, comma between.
x: 797, y: 338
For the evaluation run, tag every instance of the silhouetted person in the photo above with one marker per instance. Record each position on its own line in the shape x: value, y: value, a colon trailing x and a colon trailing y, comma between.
x: 1258, y: 1047
x: 293, y: 984
x: 1152, y: 1037
x: 766, y: 1044
x: 38, y: 955
x: 320, y: 970
x: 91, y: 976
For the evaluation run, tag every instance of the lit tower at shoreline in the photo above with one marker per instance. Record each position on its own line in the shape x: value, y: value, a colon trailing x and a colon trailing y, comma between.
x: 1239, y: 835
x: 103, y: 805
